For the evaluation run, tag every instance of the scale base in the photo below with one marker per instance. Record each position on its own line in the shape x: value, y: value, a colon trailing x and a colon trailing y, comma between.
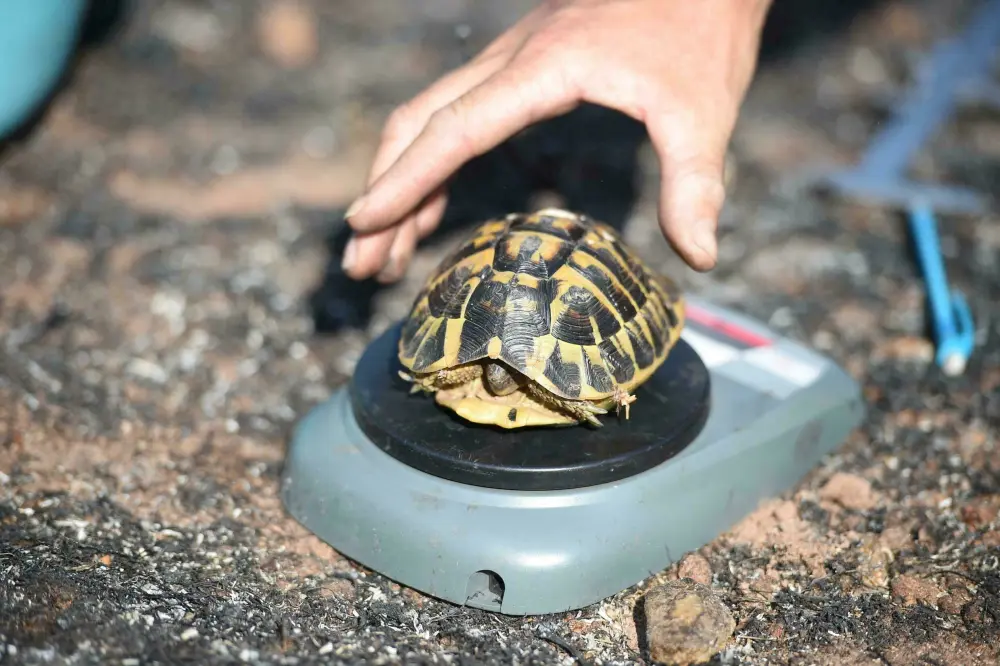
x: 529, y: 552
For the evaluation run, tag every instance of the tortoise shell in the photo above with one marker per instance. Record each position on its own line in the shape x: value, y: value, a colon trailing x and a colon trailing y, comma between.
x: 556, y: 296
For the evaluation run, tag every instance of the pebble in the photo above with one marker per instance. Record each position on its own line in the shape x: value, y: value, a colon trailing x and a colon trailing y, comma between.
x: 849, y: 491
x: 873, y: 568
x: 912, y: 590
x: 695, y: 567
x: 686, y: 623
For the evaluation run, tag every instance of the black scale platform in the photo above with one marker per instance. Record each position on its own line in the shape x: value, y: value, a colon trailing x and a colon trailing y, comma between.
x: 670, y: 410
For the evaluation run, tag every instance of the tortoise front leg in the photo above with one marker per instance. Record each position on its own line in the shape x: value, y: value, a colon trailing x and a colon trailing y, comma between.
x: 447, y: 378
x: 581, y: 410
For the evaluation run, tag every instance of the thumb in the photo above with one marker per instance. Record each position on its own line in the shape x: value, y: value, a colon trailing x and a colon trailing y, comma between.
x: 692, y: 190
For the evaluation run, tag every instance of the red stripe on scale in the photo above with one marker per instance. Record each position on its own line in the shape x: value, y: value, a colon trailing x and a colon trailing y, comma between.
x: 720, y: 326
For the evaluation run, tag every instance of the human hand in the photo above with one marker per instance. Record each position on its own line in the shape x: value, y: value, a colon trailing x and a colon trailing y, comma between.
x: 681, y: 67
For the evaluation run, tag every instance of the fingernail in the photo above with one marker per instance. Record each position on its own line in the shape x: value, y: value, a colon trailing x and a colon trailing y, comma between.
x: 355, y: 207
x: 350, y: 255
x: 704, y: 237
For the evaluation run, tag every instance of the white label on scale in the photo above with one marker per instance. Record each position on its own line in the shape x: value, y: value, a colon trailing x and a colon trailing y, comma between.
x: 712, y: 353
x: 784, y: 365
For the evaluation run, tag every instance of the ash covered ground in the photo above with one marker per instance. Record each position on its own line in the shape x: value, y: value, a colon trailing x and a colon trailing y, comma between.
x: 164, y: 234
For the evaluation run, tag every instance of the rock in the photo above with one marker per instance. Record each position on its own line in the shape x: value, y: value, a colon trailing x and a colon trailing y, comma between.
x: 912, y: 590
x: 695, y: 567
x: 873, y: 568
x: 686, y: 623
x: 849, y: 491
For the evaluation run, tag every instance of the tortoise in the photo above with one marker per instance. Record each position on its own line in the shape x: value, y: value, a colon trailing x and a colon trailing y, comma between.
x: 539, y: 319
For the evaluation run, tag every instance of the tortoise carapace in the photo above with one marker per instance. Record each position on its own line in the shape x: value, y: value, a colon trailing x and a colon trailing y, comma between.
x: 539, y: 319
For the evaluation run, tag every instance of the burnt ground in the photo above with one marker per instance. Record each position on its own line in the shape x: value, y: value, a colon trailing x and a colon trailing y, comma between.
x: 163, y: 246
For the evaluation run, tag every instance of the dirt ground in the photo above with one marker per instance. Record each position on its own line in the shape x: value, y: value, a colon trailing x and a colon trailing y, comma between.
x: 168, y: 313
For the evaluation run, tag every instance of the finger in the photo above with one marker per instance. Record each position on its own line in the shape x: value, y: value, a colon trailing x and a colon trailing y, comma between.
x: 400, y: 253
x: 692, y: 156
x: 430, y: 214
x: 373, y: 254
x: 366, y: 254
x: 511, y: 99
x: 369, y: 256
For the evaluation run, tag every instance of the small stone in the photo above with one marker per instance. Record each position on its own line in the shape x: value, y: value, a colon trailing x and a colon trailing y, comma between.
x: 686, y: 623
x: 912, y: 590
x: 850, y: 491
x: 873, y: 568
x: 695, y: 567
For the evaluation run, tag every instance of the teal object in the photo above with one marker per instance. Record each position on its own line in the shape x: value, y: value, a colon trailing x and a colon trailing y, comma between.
x: 36, y: 41
x: 954, y: 331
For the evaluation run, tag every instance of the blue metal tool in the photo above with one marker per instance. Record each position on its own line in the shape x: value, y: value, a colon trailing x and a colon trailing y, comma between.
x: 958, y: 71
x: 951, y: 319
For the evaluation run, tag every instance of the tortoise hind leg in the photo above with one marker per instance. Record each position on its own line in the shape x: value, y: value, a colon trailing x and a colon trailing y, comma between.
x: 458, y: 376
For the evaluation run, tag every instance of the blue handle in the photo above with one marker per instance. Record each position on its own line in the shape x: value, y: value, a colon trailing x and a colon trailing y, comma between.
x: 952, y: 320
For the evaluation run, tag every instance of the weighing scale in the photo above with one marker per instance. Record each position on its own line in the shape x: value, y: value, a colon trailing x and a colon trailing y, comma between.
x: 550, y: 520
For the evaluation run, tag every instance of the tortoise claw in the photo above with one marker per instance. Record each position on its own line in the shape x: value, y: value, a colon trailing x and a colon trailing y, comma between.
x: 590, y: 412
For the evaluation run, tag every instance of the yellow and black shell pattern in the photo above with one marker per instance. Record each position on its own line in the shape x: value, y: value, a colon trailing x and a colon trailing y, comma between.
x: 556, y: 296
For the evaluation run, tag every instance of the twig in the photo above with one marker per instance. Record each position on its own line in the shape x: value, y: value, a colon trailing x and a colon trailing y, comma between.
x: 562, y: 643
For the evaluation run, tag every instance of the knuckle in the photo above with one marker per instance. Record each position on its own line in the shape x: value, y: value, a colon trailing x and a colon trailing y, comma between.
x: 398, y: 122
x: 451, y: 126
